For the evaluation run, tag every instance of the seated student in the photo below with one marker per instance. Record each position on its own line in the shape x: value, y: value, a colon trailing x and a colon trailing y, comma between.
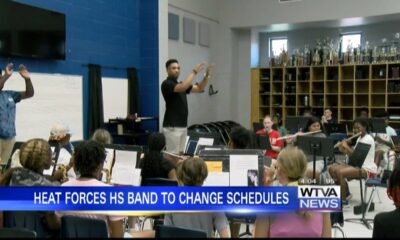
x: 35, y: 156
x: 88, y: 161
x: 387, y: 224
x: 363, y: 112
x: 102, y: 136
x: 308, y: 112
x: 240, y: 138
x: 327, y: 117
x: 341, y: 171
x: 277, y: 120
x: 154, y: 165
x: 61, y: 134
x: 383, y: 145
x: 273, y: 136
x: 289, y: 168
x: 193, y: 172
x: 314, y: 125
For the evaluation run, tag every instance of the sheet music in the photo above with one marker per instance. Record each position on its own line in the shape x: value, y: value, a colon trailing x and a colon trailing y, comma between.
x: 109, y: 158
x: 238, y: 178
x: 204, y: 142
x: 123, y: 171
x: 107, y: 163
x: 238, y: 166
x: 64, y: 157
x: 217, y: 179
x: 49, y: 171
x: 125, y: 159
x: 126, y: 176
x: 186, y: 142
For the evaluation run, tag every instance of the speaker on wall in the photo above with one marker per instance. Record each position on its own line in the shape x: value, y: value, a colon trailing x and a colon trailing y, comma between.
x: 204, y: 34
x: 173, y: 26
x: 189, y: 30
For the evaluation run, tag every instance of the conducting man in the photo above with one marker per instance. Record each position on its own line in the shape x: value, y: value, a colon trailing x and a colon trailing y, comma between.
x: 8, y: 101
x: 176, y: 111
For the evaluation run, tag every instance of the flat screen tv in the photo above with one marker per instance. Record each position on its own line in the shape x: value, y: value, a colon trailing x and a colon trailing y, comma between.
x: 27, y: 31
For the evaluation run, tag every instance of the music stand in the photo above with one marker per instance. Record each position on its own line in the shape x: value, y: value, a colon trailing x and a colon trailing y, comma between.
x: 295, y: 123
x: 335, y: 128
x: 357, y: 160
x: 263, y: 142
x: 257, y: 126
x: 378, y: 125
x: 317, y: 146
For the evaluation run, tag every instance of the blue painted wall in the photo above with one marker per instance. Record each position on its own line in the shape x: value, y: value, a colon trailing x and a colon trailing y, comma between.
x: 115, y: 33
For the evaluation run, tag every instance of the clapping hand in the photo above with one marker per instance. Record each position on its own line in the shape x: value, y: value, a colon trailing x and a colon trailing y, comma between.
x: 9, y: 70
x: 23, y: 72
x: 210, y: 69
x: 199, y: 67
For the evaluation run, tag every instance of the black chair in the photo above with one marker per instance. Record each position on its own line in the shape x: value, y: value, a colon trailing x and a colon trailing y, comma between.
x: 163, y: 182
x: 26, y: 220
x: 200, y: 128
x: 356, y: 160
x: 17, y: 233
x: 163, y: 231
x: 82, y: 227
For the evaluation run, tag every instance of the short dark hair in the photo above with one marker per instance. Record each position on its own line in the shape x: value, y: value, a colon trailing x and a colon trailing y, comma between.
x: 88, y: 156
x: 311, y: 121
x: 240, y: 137
x: 364, y: 109
x: 363, y: 122
x: 170, y: 61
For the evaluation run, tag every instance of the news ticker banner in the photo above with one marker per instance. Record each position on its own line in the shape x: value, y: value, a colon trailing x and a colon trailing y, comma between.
x: 172, y: 199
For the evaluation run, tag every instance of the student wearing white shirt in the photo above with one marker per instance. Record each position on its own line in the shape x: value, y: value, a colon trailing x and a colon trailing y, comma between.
x: 383, y: 145
x: 340, y: 172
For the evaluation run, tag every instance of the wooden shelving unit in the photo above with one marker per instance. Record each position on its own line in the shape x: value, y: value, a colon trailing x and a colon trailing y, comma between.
x: 344, y: 88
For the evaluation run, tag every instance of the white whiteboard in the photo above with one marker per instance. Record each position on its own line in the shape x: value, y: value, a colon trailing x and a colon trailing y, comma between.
x: 58, y: 98
x: 115, y: 98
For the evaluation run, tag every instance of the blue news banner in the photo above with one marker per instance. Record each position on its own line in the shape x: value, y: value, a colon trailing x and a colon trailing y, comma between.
x: 168, y: 199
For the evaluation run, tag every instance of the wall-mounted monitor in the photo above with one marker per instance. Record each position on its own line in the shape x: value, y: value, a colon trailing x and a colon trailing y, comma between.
x: 27, y: 31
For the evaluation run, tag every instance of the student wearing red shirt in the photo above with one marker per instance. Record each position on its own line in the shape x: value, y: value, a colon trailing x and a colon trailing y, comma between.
x: 276, y: 145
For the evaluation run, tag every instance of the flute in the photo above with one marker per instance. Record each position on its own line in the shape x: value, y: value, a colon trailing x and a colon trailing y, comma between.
x: 347, y: 139
x: 299, y: 133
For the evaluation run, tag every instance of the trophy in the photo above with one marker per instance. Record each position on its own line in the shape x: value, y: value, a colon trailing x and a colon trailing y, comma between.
x: 396, y: 42
x: 375, y: 55
x: 366, y: 55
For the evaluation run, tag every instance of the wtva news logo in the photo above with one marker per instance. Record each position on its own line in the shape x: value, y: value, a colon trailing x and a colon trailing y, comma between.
x: 321, y: 198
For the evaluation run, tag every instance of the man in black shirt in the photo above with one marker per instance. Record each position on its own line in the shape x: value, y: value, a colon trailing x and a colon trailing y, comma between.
x: 176, y: 110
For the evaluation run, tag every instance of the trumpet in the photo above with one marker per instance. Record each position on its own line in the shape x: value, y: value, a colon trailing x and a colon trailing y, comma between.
x: 347, y: 139
x: 297, y: 134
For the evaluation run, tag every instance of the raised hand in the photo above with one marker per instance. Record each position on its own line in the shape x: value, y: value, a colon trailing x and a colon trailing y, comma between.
x: 199, y: 67
x: 9, y: 70
x: 23, y: 72
x: 210, y: 69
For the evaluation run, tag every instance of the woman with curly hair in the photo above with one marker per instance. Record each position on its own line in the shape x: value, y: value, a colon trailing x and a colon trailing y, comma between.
x: 89, y: 160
